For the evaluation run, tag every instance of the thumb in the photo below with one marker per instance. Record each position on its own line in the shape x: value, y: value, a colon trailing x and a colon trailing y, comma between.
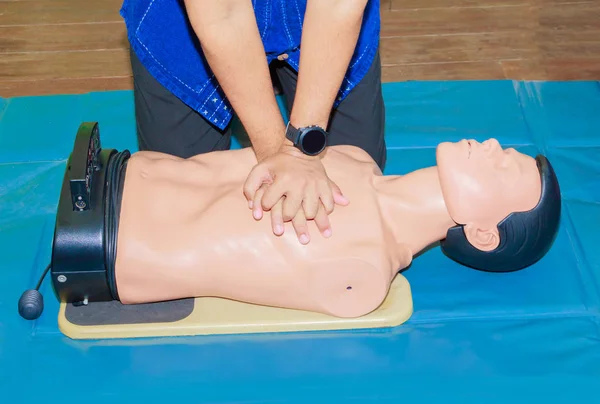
x: 338, y: 197
x: 258, y: 175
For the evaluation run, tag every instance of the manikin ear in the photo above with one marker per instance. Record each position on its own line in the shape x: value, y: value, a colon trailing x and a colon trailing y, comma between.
x: 482, y: 239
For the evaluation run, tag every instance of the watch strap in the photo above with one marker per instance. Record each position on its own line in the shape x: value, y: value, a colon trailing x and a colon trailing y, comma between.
x: 292, y: 133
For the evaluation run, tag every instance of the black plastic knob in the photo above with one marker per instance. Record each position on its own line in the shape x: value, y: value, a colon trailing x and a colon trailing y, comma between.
x: 31, y: 304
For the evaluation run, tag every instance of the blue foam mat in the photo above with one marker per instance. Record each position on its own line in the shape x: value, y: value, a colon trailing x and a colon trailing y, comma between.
x: 528, y: 336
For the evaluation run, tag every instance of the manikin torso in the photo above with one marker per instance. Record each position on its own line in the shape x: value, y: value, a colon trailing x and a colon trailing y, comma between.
x: 186, y: 231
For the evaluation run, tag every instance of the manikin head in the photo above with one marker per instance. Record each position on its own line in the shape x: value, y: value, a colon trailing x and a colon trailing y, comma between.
x: 506, y: 205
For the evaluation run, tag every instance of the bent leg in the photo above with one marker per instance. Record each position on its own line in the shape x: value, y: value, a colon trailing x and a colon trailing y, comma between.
x: 166, y: 124
x: 359, y: 120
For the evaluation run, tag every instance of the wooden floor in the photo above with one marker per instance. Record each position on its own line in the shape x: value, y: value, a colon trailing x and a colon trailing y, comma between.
x: 74, y: 46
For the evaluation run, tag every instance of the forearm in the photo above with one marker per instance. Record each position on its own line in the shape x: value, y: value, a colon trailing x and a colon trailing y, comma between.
x: 233, y: 48
x: 330, y: 33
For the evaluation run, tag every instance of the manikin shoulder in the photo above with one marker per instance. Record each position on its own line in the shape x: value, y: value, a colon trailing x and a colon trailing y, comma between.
x: 226, y: 165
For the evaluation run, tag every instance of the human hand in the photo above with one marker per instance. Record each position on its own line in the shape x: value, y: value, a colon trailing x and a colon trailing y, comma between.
x: 294, y: 187
x: 299, y: 221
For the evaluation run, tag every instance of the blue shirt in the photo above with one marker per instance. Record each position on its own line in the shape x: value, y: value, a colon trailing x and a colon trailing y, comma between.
x: 161, y: 36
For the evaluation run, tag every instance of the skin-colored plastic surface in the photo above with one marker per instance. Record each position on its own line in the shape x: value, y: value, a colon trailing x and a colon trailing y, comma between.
x: 186, y: 231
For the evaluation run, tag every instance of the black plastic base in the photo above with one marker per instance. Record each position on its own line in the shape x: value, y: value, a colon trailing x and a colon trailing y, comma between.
x: 79, y: 268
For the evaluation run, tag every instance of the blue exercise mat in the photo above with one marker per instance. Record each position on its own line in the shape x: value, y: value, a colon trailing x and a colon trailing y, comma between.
x: 525, y: 337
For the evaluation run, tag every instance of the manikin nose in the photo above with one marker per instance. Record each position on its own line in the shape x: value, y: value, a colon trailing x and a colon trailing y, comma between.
x: 492, y: 145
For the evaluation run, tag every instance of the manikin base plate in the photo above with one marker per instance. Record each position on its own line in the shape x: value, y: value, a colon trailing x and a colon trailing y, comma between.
x: 213, y: 316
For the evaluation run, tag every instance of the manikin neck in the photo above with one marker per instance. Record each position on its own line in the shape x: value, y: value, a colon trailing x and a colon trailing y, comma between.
x: 414, y: 209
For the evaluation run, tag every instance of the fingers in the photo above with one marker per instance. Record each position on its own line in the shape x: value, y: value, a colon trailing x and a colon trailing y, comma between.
x: 300, y: 222
x: 296, y: 194
x: 310, y: 203
x: 330, y: 194
x: 277, y: 190
x: 301, y: 228
x: 258, y: 175
x: 338, y: 197
x: 277, y: 218
x: 291, y: 207
x: 322, y: 222
x: 326, y: 196
x: 256, y: 205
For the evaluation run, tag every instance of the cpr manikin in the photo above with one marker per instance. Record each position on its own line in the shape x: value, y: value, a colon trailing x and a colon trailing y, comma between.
x: 185, y: 229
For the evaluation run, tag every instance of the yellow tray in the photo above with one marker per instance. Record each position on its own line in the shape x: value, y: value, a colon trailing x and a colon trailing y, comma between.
x: 213, y: 316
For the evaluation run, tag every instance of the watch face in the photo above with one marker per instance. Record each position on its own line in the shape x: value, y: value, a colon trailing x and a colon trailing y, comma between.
x: 313, y: 141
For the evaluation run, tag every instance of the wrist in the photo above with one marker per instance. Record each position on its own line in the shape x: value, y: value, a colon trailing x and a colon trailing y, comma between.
x: 264, y: 153
x: 289, y: 149
x: 268, y: 142
x: 300, y: 119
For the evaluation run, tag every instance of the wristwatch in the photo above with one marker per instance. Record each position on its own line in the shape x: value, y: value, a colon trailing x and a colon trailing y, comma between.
x: 311, y: 140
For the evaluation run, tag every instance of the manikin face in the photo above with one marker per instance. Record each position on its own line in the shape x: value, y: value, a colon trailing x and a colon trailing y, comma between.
x: 482, y: 184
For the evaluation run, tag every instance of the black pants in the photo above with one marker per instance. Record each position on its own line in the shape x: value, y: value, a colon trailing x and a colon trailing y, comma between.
x: 166, y: 124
